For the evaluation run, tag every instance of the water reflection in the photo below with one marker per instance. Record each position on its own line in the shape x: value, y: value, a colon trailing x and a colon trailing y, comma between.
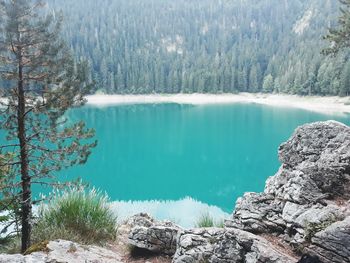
x: 184, y: 212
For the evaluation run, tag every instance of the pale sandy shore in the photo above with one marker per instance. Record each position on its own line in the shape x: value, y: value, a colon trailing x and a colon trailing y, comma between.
x: 326, y: 105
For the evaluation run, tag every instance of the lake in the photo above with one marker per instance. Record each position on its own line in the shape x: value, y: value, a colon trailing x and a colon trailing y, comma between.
x: 180, y: 161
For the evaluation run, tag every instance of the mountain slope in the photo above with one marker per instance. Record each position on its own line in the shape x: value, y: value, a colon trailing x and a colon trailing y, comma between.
x: 167, y: 46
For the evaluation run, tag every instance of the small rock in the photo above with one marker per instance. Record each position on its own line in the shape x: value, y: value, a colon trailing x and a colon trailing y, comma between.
x: 142, y: 219
x: 158, y: 237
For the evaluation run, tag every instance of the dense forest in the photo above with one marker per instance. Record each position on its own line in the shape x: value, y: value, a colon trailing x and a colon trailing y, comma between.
x: 208, y: 46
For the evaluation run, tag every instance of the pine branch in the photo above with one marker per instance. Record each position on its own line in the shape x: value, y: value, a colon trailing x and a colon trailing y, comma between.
x: 8, y: 146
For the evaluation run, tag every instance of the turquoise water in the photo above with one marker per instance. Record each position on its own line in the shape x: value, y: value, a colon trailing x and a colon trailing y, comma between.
x: 179, y: 161
x: 168, y: 152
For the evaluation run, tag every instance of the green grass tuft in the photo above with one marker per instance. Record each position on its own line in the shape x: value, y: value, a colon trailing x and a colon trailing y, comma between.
x: 76, y: 215
x: 220, y: 224
x: 206, y: 220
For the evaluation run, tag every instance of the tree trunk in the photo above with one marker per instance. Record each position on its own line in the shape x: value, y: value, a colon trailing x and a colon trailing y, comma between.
x: 25, y: 178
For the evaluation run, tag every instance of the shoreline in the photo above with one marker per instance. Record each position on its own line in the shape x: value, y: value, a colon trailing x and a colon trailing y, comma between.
x: 325, y: 105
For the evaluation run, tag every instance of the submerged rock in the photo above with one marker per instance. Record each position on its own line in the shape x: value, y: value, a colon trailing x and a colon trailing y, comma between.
x: 66, y: 252
x: 152, y: 235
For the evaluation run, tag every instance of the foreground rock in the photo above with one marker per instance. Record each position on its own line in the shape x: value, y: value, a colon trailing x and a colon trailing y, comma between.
x: 65, y: 252
x: 227, y: 246
x: 307, y: 201
x: 333, y: 243
x: 315, y: 164
x: 152, y: 235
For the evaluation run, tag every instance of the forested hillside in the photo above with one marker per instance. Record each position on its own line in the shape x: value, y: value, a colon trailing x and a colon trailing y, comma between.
x: 210, y: 46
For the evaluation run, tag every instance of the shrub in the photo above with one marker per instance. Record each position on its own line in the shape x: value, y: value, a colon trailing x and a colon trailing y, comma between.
x: 76, y: 215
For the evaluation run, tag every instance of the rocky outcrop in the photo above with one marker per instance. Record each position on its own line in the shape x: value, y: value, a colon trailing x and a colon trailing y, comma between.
x: 65, y: 252
x: 315, y: 164
x: 155, y: 236
x: 306, y: 202
x: 226, y: 246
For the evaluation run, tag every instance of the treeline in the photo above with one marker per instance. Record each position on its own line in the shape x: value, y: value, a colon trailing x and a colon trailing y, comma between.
x: 209, y: 46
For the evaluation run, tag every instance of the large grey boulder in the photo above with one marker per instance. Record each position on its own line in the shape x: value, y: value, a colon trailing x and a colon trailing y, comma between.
x: 315, y: 169
x: 66, y: 252
x: 152, y: 235
x: 306, y: 202
x: 217, y: 245
x: 315, y: 164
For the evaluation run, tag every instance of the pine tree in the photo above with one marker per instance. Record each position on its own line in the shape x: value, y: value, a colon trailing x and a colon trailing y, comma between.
x: 254, y: 79
x: 44, y: 82
x: 345, y: 81
x: 340, y: 36
x: 268, y: 83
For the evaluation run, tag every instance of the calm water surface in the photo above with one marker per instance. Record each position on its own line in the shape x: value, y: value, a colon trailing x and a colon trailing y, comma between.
x: 177, y: 161
x: 180, y: 161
